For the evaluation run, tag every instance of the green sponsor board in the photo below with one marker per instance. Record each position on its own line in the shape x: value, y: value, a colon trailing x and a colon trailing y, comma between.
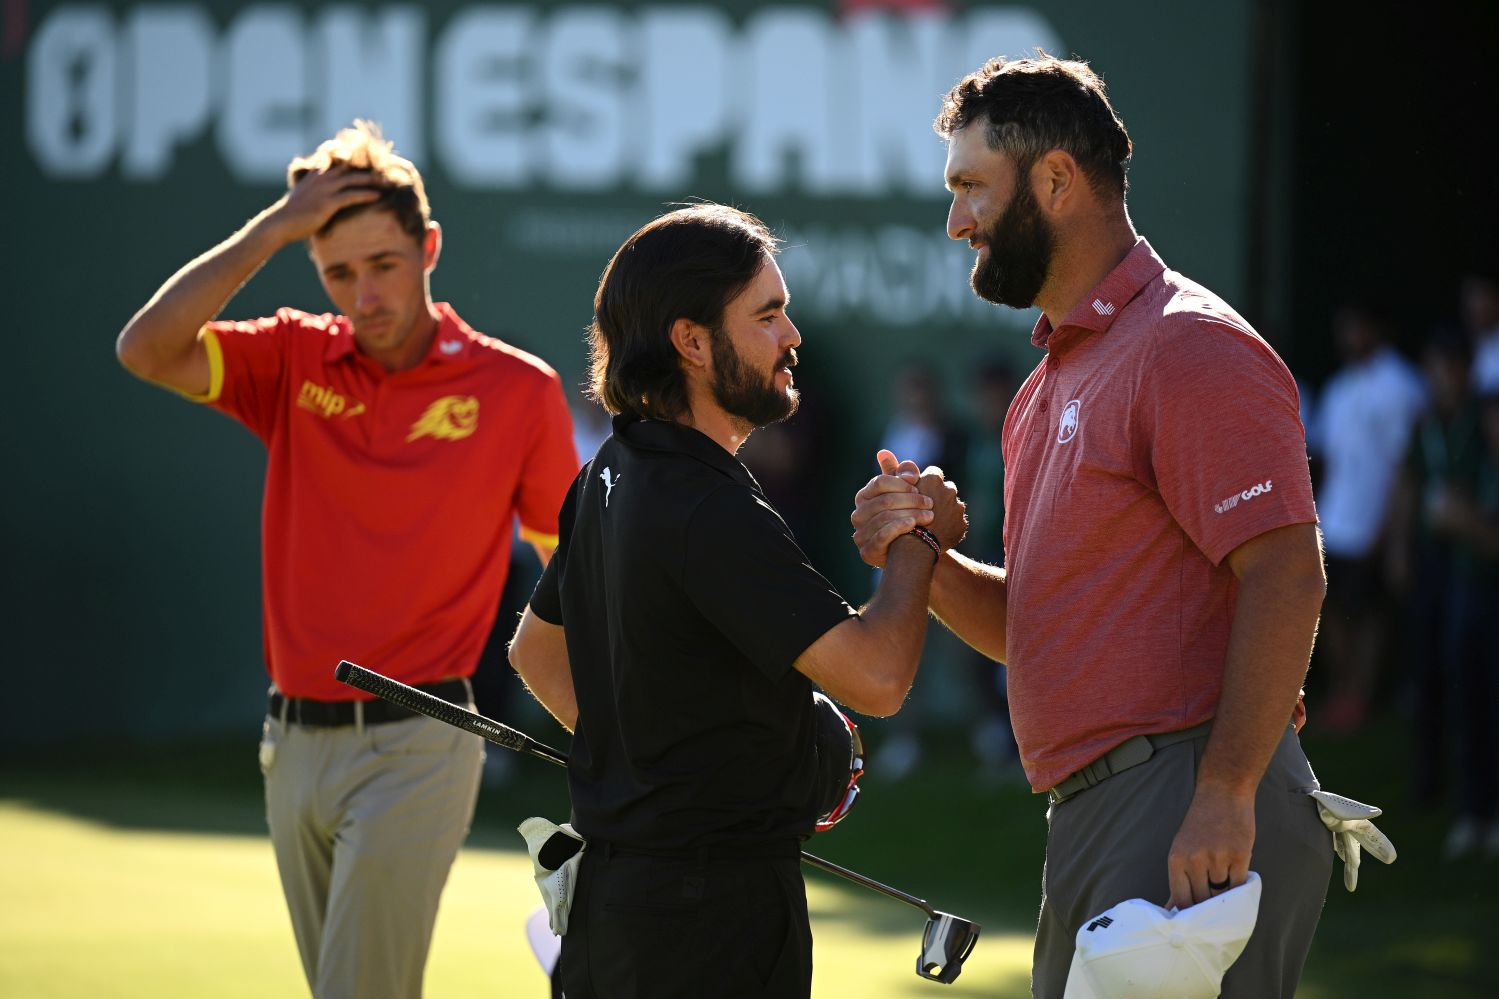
x: 142, y: 134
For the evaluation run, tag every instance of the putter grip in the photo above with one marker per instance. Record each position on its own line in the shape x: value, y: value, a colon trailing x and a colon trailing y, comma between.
x: 424, y: 703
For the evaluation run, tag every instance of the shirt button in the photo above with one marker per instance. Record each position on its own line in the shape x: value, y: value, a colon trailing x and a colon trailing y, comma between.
x: 1043, y: 405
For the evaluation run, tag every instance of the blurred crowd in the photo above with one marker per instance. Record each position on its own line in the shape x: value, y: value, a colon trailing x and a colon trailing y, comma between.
x: 1403, y: 438
x: 1405, y: 453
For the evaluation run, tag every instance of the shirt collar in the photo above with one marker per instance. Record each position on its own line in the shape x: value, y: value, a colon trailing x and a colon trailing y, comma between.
x: 666, y: 436
x: 1099, y: 308
x: 453, y: 341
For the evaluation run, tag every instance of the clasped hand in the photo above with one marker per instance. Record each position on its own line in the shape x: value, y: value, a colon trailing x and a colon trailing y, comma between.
x: 901, y: 498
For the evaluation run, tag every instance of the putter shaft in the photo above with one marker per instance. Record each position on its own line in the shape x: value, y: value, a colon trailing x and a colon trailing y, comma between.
x: 513, y: 739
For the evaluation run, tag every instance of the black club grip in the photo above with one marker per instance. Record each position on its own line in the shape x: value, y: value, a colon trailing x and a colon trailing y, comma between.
x: 424, y: 703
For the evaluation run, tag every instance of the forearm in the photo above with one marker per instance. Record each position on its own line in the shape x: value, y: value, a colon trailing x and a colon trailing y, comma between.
x: 969, y: 598
x: 894, y: 620
x: 1270, y: 643
x: 155, y: 342
x: 538, y: 653
x: 869, y: 662
x: 553, y: 688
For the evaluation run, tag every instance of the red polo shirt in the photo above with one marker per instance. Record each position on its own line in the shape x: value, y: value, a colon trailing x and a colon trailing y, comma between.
x: 389, y: 498
x: 1159, y: 433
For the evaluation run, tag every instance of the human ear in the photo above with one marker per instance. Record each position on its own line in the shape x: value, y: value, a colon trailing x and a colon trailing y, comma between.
x: 1055, y: 178
x: 692, y: 342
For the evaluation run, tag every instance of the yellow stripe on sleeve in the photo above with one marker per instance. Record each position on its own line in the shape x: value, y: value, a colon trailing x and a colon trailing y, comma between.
x: 215, y: 367
x: 547, y: 541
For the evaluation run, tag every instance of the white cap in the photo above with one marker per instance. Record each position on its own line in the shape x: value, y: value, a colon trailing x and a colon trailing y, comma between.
x: 1137, y: 950
x: 546, y: 945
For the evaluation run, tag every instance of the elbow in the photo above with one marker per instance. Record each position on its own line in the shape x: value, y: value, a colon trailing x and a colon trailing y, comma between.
x: 882, y: 697
x: 133, y: 354
x: 517, y: 657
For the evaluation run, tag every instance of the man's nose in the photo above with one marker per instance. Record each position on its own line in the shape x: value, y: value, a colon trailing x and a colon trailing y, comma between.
x: 959, y: 221
x: 366, y: 296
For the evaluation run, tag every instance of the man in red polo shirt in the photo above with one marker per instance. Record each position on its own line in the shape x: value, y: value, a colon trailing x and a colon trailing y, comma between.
x: 1162, y: 575
x: 402, y: 447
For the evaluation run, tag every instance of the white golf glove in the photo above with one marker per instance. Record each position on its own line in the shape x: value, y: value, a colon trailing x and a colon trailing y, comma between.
x: 556, y: 851
x: 1352, y: 832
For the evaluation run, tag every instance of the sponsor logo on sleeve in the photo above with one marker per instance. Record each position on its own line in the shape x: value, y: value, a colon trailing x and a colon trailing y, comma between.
x: 1252, y: 492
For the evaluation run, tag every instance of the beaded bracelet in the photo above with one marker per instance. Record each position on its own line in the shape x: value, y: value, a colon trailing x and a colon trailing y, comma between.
x: 930, y: 539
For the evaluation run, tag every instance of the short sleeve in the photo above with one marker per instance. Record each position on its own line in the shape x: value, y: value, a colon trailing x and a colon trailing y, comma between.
x: 1219, y: 415
x: 248, y: 362
x: 546, y: 598
x: 550, y: 466
x: 750, y: 579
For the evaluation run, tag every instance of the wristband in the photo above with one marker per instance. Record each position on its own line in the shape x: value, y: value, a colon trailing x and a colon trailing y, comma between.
x: 929, y: 539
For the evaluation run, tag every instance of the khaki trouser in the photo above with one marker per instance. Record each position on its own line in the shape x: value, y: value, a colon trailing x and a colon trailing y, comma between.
x: 1109, y: 843
x: 366, y: 821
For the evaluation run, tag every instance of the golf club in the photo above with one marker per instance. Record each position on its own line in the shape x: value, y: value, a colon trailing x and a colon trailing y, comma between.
x: 945, y: 944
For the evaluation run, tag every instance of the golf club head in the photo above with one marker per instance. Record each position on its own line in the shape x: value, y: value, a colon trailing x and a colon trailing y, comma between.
x: 945, y: 945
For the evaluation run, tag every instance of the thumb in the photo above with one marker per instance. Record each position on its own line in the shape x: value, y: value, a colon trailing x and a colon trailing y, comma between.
x: 887, y: 461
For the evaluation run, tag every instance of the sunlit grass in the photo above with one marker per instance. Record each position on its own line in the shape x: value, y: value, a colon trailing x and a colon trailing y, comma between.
x: 145, y: 871
x: 91, y: 909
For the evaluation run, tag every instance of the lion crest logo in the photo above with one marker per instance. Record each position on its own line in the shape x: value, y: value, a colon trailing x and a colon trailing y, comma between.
x: 451, y: 418
x: 1067, y: 425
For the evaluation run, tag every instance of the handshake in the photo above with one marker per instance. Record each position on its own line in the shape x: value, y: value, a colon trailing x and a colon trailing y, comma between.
x: 901, y: 499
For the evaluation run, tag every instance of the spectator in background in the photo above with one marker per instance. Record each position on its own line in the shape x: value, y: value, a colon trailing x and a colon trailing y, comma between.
x: 1480, y: 305
x: 1475, y: 521
x: 1433, y: 534
x: 994, y: 388
x: 922, y: 430
x: 787, y: 459
x: 1362, y: 428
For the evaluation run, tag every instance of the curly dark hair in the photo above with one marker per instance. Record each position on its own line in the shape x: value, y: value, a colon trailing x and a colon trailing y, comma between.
x: 686, y: 264
x: 1032, y: 106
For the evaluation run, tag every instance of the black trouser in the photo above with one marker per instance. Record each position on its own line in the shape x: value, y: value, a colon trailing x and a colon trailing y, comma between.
x: 653, y: 927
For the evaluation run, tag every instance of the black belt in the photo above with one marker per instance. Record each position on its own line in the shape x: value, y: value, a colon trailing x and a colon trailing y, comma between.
x: 330, y: 714
x: 1129, y: 753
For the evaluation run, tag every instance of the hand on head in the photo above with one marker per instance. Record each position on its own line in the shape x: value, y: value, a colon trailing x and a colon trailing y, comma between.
x: 319, y: 195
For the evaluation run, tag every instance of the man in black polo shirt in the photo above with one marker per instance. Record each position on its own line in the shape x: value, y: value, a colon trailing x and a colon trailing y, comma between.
x: 678, y: 630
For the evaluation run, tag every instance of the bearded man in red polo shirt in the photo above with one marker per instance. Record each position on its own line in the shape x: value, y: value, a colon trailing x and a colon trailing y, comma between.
x: 1163, y: 575
x: 402, y: 448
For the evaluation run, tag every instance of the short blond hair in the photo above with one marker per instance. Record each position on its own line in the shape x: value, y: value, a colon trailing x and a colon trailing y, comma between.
x: 364, y: 147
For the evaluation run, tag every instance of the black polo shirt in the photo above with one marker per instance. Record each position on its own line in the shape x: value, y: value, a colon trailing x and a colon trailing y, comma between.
x: 685, y: 600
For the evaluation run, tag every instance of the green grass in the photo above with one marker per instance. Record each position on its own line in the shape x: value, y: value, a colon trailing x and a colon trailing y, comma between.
x: 146, y: 872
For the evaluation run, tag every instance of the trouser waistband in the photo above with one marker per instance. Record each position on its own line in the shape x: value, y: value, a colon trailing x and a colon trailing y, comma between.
x: 1129, y: 753
x: 331, y: 714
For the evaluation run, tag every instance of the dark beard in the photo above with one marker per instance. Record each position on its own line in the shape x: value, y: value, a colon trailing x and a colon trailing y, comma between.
x: 1020, y: 244
x: 745, y: 394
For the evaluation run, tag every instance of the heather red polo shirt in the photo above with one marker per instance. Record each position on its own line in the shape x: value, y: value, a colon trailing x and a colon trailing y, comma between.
x: 1159, y: 433
x: 390, y: 499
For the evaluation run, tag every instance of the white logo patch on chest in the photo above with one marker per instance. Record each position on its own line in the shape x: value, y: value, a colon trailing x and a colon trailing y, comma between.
x: 1067, y: 425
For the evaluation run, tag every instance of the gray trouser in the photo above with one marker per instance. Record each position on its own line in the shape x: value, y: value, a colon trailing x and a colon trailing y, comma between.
x: 366, y: 820
x: 1109, y: 843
